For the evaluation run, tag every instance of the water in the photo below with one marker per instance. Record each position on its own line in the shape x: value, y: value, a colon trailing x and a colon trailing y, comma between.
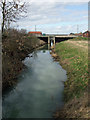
x: 39, y: 91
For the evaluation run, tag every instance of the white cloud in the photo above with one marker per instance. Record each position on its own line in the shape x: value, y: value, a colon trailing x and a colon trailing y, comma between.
x: 54, y: 16
x: 54, y: 1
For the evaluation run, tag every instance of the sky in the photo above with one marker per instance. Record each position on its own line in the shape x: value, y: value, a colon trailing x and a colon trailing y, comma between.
x: 55, y: 17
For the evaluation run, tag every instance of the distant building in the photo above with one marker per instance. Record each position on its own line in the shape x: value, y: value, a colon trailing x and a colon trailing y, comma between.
x: 79, y: 34
x: 35, y: 33
x: 86, y: 34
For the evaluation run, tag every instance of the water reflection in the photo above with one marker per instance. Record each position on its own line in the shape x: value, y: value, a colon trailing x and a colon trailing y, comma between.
x: 39, y: 91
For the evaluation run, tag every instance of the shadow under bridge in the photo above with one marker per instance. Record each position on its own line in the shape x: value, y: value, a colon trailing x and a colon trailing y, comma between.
x: 55, y: 39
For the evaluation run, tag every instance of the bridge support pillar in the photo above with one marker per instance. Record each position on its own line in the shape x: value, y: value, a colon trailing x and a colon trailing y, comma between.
x: 48, y: 40
x: 54, y: 40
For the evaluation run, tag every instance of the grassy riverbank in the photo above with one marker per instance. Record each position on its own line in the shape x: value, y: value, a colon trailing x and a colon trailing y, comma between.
x: 73, y: 56
x: 16, y: 46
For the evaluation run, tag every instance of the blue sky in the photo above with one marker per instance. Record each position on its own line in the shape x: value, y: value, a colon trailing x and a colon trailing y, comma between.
x: 55, y: 17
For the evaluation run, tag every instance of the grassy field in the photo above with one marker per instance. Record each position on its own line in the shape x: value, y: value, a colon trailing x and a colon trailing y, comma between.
x: 74, y: 58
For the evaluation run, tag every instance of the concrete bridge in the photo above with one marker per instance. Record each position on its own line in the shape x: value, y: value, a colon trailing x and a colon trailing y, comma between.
x: 56, y: 38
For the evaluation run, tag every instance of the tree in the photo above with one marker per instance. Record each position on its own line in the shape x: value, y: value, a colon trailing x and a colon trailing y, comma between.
x: 11, y: 12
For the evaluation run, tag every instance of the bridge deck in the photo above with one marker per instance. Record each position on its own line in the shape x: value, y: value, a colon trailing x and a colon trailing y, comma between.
x: 59, y: 36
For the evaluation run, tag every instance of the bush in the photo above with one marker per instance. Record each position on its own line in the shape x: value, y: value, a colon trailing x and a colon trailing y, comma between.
x: 16, y: 46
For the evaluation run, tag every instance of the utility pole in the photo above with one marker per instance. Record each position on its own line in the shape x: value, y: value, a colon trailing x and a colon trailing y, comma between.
x: 77, y: 29
x: 35, y: 27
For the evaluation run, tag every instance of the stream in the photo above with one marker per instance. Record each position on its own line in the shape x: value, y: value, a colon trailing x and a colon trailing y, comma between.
x: 39, y: 91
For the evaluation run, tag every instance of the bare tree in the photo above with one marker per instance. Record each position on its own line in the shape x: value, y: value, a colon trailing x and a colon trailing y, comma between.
x: 12, y: 11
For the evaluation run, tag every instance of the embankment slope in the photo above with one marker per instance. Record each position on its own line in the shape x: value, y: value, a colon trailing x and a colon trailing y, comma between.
x: 73, y: 56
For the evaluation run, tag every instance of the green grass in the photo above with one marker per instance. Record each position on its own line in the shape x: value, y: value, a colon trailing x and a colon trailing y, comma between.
x: 75, y: 61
